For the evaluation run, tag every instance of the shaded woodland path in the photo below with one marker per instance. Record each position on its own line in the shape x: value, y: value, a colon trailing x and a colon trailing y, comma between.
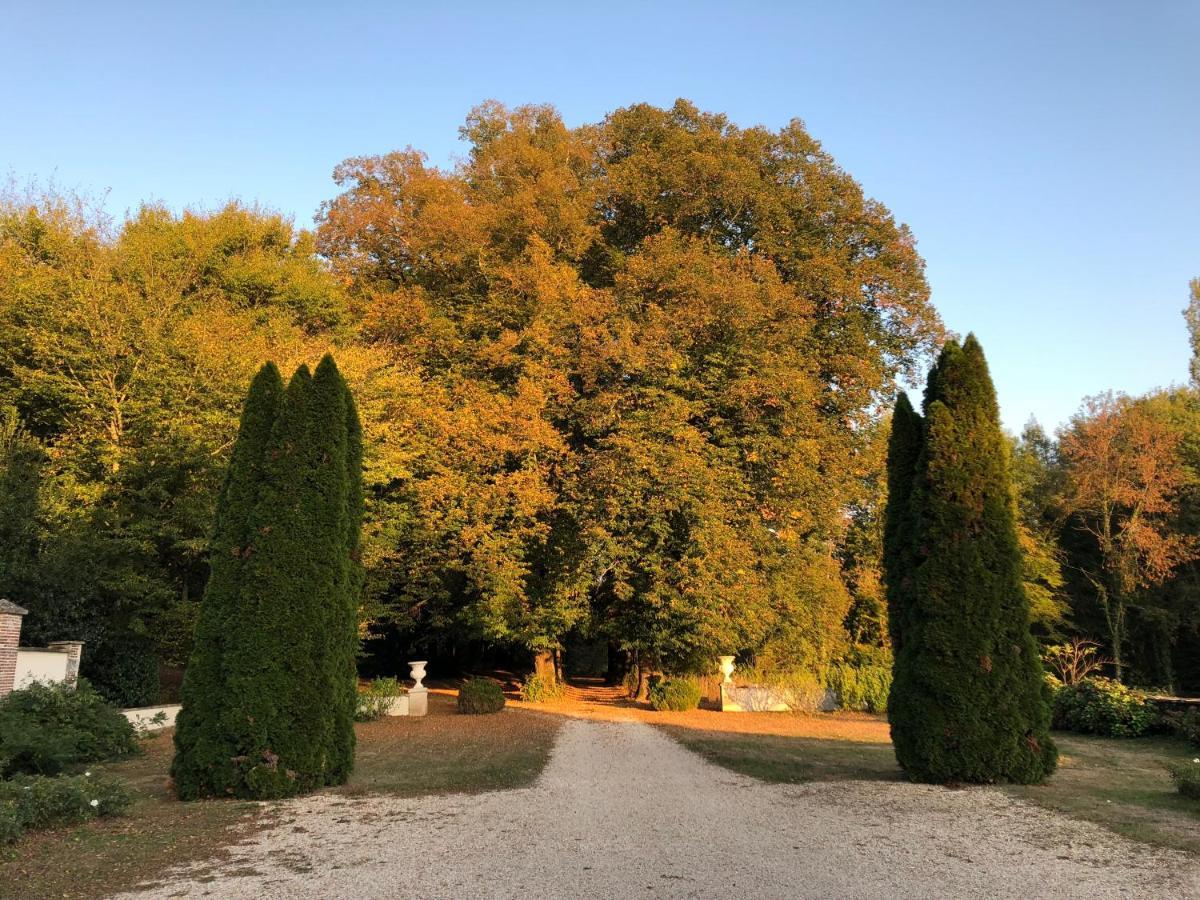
x: 623, y: 810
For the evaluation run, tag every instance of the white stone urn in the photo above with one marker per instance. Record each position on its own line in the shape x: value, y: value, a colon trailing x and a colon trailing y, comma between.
x: 418, y: 694
x: 727, y: 668
x: 416, y: 671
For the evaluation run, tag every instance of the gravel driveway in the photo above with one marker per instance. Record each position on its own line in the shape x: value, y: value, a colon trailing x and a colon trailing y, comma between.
x: 624, y: 811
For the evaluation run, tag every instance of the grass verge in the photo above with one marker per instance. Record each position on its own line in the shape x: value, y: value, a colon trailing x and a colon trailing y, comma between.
x: 1121, y: 784
x: 440, y: 753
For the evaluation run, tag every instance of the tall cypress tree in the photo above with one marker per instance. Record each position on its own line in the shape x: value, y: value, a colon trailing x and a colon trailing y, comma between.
x: 904, y: 449
x: 271, y: 703
x: 340, y: 499
x: 344, y: 739
x: 967, y: 701
x: 204, y: 746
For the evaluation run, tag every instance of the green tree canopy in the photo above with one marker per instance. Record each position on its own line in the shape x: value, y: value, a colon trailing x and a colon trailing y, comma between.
x: 650, y: 349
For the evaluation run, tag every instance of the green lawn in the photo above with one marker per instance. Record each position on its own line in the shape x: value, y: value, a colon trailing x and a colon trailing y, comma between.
x: 1120, y: 783
x: 440, y: 753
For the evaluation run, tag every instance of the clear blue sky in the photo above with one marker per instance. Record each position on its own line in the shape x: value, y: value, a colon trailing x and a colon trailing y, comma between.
x: 1047, y: 155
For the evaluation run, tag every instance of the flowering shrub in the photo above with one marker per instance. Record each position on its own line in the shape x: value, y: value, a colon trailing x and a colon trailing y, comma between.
x: 29, y: 802
x: 1105, y: 707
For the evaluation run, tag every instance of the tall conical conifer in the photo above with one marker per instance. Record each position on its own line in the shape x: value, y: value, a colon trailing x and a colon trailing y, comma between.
x: 904, y: 449
x: 967, y: 701
x: 340, y: 498
x: 283, y: 710
x: 204, y: 744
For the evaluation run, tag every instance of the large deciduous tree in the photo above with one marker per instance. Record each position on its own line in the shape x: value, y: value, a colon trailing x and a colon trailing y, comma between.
x: 650, y: 351
x: 967, y: 700
x: 1124, y: 481
x: 125, y: 351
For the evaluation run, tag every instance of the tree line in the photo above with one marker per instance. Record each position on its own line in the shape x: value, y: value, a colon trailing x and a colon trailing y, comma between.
x: 627, y: 380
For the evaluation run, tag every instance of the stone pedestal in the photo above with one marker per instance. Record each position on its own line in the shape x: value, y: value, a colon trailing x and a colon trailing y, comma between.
x: 418, y: 694
x: 398, y: 706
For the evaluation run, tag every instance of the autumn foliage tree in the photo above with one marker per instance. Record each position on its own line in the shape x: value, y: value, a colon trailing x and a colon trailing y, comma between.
x: 649, y: 350
x: 1125, y: 477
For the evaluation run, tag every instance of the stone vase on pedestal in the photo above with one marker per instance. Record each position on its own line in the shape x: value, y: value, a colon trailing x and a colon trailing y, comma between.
x: 418, y: 694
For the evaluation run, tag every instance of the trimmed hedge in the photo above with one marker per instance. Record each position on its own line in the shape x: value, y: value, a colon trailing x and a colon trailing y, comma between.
x: 1102, y: 706
x: 38, y: 802
x: 479, y: 696
x: 45, y: 729
x: 674, y: 694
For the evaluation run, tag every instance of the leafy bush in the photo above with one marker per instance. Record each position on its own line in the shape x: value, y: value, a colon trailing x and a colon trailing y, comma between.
x: 375, y: 700
x: 860, y: 688
x: 674, y: 694
x: 540, y: 689
x: 123, y: 672
x: 1074, y: 661
x: 46, y: 728
x: 1186, y: 776
x: 38, y: 802
x: 479, y: 695
x: 1105, y: 707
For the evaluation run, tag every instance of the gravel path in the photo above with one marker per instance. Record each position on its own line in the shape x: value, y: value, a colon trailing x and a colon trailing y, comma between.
x: 624, y: 811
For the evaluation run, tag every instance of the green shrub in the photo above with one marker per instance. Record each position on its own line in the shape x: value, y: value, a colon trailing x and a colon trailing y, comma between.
x: 1186, y: 776
x: 29, y: 802
x: 123, y: 672
x: 1105, y: 707
x: 480, y: 695
x: 862, y: 688
x: 375, y: 700
x: 47, y: 728
x: 541, y: 689
x: 674, y: 694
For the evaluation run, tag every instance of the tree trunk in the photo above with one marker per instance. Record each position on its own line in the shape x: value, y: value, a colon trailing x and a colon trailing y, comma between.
x: 543, y: 664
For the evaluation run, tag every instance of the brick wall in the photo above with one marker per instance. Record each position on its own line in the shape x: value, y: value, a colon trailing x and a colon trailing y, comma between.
x: 10, y: 638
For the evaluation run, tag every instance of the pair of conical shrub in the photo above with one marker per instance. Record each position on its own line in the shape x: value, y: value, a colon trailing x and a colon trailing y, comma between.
x: 269, y: 692
x: 968, y: 701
